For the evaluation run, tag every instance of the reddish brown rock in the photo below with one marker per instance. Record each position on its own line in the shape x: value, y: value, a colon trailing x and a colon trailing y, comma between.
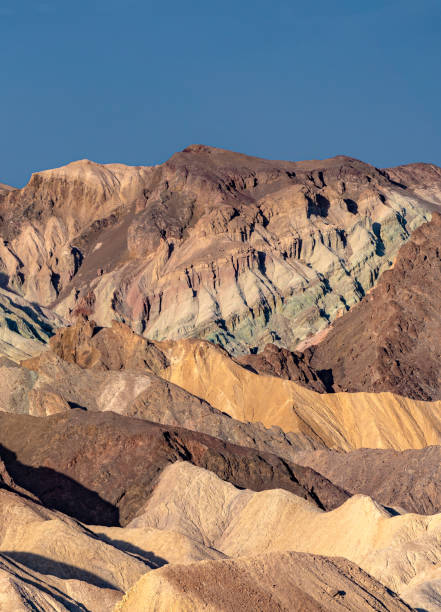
x: 389, y: 342
x: 276, y: 361
x: 410, y: 479
x: 102, y: 467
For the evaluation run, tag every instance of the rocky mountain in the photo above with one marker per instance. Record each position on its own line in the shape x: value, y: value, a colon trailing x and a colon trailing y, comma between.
x: 25, y: 328
x: 213, y: 244
x: 219, y: 386
x: 45, y: 563
x: 115, y: 369
x: 46, y: 558
x: 293, y: 365
x: 344, y: 421
x: 384, y: 343
x: 196, y: 385
x: 388, y: 341
x: 5, y: 188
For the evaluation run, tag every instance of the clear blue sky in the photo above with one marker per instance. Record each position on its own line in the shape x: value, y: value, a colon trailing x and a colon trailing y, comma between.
x: 134, y: 81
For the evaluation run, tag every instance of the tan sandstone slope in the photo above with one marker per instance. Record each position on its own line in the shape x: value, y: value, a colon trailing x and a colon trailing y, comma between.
x: 273, y: 582
x: 394, y: 549
x: 340, y: 420
x: 50, y: 562
x: 213, y: 244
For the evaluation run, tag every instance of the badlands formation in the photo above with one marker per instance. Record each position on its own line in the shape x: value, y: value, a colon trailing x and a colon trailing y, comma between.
x: 211, y: 244
x: 219, y: 387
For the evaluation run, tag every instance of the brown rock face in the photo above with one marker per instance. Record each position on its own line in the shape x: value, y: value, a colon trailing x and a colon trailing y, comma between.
x: 114, y: 348
x: 112, y: 369
x: 409, y: 479
x: 276, y: 361
x: 101, y: 468
x: 388, y: 342
x: 214, y: 244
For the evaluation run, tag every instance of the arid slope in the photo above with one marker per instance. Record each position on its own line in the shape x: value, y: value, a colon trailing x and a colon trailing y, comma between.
x: 342, y: 420
x: 273, y: 582
x: 213, y: 244
x: 390, y: 341
x: 394, y: 549
x: 101, y: 467
x: 409, y: 479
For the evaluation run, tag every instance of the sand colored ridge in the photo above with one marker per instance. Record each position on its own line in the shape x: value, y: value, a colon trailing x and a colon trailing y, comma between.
x: 394, y: 549
x: 342, y: 420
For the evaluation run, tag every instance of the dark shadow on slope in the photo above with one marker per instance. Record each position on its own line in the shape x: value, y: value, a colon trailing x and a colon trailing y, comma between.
x: 318, y: 207
x: 380, y: 249
x: 59, y: 492
x: 327, y: 378
x: 351, y: 206
x: 65, y: 571
x: 146, y: 556
x: 62, y: 598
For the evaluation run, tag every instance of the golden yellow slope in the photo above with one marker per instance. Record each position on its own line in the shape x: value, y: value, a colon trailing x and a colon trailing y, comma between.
x: 342, y: 420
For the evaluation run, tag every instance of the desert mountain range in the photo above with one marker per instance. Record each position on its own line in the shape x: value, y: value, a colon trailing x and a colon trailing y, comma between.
x: 220, y: 388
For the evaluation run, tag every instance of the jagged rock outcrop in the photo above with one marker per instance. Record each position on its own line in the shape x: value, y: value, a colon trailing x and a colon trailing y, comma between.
x: 274, y: 582
x: 292, y: 365
x: 101, y: 467
x: 389, y: 342
x: 410, y: 479
x: 214, y: 244
x: 107, y: 348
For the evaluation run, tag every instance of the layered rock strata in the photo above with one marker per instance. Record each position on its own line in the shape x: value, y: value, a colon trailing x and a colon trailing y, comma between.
x: 342, y: 421
x: 214, y: 244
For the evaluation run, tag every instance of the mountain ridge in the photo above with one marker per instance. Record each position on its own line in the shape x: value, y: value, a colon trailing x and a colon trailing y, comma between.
x: 252, y: 250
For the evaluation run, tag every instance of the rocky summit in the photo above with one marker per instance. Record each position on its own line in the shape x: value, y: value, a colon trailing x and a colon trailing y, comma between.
x: 219, y: 387
x: 235, y: 249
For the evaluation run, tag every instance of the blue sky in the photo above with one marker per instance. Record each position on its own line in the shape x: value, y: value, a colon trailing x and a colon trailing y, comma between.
x: 134, y: 81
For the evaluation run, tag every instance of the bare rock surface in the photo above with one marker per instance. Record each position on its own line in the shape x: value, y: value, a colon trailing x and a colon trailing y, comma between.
x: 50, y: 562
x: 277, y: 361
x: 25, y: 328
x: 410, y: 479
x: 271, y: 582
x: 388, y: 341
x: 236, y: 249
x: 102, y: 467
x: 113, y: 369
